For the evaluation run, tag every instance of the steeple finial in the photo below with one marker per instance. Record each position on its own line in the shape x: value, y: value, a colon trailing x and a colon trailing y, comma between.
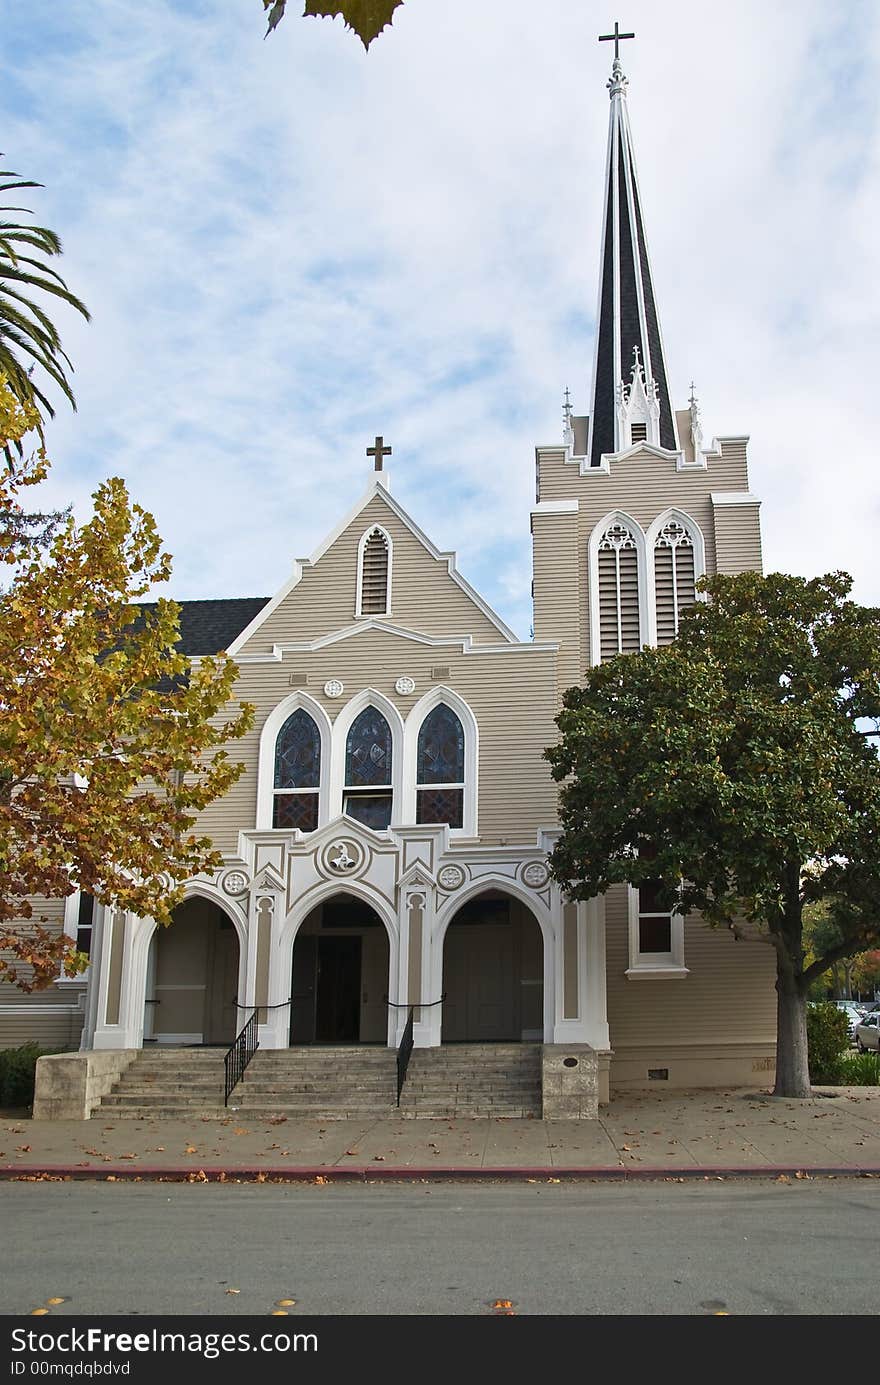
x: 616, y: 82
x: 567, y: 425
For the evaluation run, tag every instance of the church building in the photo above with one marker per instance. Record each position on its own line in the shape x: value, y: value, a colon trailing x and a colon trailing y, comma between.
x: 385, y: 852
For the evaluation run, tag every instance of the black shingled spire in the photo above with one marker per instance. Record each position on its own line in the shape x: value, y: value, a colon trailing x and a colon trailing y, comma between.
x: 630, y: 383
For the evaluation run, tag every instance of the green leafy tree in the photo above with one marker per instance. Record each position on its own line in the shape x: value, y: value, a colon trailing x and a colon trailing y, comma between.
x: 366, y: 17
x: 736, y: 761
x: 30, y: 346
x: 110, y: 743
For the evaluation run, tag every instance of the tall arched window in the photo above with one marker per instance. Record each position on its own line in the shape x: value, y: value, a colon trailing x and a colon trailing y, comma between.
x: 440, y: 768
x: 674, y: 577
x: 619, y: 606
x: 374, y: 575
x: 297, y: 773
x: 368, y: 795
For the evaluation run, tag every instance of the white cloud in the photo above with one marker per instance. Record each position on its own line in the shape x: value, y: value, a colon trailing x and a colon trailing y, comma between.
x: 291, y: 245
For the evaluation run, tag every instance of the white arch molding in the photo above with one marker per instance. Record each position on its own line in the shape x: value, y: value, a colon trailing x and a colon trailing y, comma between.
x: 542, y: 916
x: 416, y: 717
x: 144, y: 930
x: 281, y: 969
x: 341, y: 727
x: 695, y: 534
x: 598, y: 533
x: 266, y: 756
x: 364, y: 539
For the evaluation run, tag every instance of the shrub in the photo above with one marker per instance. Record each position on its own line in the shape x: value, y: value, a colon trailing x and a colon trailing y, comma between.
x: 827, y: 1041
x: 860, y: 1070
x: 18, y: 1072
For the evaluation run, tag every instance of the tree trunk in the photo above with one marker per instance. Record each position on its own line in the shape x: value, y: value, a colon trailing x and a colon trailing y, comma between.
x: 792, y: 1068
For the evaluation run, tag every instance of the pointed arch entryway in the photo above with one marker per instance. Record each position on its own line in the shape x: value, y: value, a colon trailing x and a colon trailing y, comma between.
x: 192, y: 977
x: 339, y: 974
x: 493, y: 972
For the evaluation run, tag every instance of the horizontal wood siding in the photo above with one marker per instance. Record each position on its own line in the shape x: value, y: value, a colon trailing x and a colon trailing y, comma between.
x: 555, y: 591
x: 512, y: 693
x: 728, y: 997
x: 423, y: 595
x: 738, y: 538
x: 58, y: 1031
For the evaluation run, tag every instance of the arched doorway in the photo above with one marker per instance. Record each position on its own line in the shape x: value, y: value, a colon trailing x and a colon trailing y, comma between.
x: 192, y: 977
x: 493, y: 972
x: 339, y: 980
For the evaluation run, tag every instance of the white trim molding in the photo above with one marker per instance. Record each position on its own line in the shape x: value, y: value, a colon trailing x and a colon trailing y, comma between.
x: 389, y: 547
x: 266, y: 757
x: 663, y: 965
x: 638, y: 533
x: 417, y: 715
x: 369, y: 697
x: 695, y: 533
x: 733, y: 498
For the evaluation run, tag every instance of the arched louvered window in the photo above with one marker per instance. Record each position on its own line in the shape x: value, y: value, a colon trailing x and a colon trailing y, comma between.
x: 375, y: 574
x: 368, y: 758
x: 440, y: 768
x: 674, y: 577
x: 297, y: 773
x: 619, y: 625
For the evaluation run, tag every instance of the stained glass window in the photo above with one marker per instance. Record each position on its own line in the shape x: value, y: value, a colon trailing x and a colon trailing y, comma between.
x: 440, y: 763
x: 298, y: 753
x: 441, y: 748
x: 297, y: 773
x: 368, y: 751
x: 296, y: 810
x: 440, y: 805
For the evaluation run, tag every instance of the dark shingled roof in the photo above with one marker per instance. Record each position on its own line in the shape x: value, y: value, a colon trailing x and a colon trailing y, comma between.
x: 206, y: 627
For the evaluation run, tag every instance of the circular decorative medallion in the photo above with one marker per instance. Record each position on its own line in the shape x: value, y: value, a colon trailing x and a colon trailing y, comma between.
x: 451, y: 877
x: 535, y: 874
x: 345, y: 856
x: 405, y: 686
x: 333, y: 688
x: 234, y: 882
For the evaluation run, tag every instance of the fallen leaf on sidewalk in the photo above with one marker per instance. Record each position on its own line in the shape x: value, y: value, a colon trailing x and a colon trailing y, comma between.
x: 352, y: 1151
x: 240, y: 1130
x: 233, y: 1291
x: 190, y: 1149
x: 128, y: 1156
x: 379, y: 1158
x: 783, y: 1178
x: 23, y: 1149
x: 319, y: 1178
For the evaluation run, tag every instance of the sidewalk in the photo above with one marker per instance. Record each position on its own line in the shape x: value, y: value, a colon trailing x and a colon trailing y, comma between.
x: 640, y: 1135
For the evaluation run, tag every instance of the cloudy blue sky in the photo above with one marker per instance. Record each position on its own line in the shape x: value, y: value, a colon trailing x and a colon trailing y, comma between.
x: 290, y: 245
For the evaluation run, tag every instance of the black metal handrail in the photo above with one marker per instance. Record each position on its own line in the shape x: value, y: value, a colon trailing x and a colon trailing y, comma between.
x: 405, y: 1047
x: 404, y: 1051
x: 240, y: 1054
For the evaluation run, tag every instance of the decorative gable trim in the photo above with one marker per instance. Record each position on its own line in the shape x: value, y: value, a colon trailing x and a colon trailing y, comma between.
x: 377, y: 490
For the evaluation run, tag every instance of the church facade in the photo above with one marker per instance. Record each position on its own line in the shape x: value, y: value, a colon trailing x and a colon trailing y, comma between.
x: 385, y: 851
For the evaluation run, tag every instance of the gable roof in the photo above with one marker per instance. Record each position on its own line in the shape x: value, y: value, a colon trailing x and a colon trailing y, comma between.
x: 207, y: 627
x: 378, y: 488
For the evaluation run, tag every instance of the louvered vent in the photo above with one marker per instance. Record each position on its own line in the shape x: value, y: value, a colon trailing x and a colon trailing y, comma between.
x: 673, y: 578
x: 374, y: 575
x: 639, y: 432
x: 618, y: 593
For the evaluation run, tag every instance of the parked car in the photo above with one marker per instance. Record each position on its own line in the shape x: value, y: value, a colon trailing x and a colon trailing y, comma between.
x: 853, y: 1012
x: 868, y: 1033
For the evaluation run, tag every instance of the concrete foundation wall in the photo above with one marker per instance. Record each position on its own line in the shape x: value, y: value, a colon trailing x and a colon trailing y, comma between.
x: 70, y: 1085
x: 734, y: 1065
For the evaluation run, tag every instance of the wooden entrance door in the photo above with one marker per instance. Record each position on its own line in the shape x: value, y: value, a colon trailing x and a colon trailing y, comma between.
x: 481, y: 983
x: 221, y: 1009
x: 326, y: 1005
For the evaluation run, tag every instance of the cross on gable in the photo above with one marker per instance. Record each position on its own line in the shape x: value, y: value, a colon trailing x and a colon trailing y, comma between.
x: 617, y: 37
x: 379, y: 451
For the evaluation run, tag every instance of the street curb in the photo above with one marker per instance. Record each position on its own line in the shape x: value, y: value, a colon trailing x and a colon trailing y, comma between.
x: 322, y: 1173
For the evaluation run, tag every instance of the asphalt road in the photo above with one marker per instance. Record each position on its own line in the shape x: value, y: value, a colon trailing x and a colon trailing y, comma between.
x: 661, y: 1248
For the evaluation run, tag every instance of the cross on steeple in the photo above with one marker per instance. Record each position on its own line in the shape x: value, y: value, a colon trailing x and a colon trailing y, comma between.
x: 617, y: 37
x: 378, y: 451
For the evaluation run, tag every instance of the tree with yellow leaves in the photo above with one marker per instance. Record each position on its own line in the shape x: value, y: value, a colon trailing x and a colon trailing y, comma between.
x: 111, y: 743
